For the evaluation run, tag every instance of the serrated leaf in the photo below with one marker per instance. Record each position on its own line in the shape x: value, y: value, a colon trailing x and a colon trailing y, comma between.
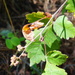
x: 15, y: 41
x: 35, y: 53
x: 32, y: 17
x: 9, y: 43
x: 56, y: 57
x: 51, y: 69
x: 49, y: 37
x: 64, y: 28
x: 71, y: 6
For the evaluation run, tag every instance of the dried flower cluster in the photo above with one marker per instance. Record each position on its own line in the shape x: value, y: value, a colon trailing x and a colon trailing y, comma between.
x: 17, y: 60
x: 20, y: 48
x: 14, y: 60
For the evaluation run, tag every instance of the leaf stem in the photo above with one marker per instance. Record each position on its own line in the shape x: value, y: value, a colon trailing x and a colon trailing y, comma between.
x: 45, y: 48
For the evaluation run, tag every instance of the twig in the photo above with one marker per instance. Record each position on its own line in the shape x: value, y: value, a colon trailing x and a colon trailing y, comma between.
x: 33, y: 68
x: 46, y: 24
x: 17, y: 68
x: 9, y: 16
x: 69, y: 65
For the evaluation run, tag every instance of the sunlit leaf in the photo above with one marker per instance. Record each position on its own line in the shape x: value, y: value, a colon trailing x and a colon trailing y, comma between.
x: 51, y: 69
x: 35, y: 53
x: 32, y: 17
x: 56, y: 57
x: 71, y: 6
x: 64, y: 28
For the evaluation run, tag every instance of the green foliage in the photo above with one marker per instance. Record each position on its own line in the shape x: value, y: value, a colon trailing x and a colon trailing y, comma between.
x: 33, y: 72
x: 47, y: 49
x: 64, y: 9
x: 35, y: 53
x: 56, y: 57
x: 56, y: 44
x: 37, y: 31
x: 9, y: 44
x: 49, y: 37
x: 10, y: 39
x: 21, y: 38
x: 15, y: 41
x: 64, y: 28
x: 10, y: 35
x: 51, y: 69
x: 71, y: 5
x: 32, y: 17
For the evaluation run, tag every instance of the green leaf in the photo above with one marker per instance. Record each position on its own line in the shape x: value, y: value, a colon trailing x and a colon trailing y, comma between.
x: 56, y: 45
x: 27, y: 42
x: 21, y: 38
x: 64, y: 9
x: 51, y: 69
x: 10, y: 35
x: 37, y: 31
x: 71, y: 6
x: 15, y: 41
x: 4, y: 37
x: 56, y: 57
x: 49, y: 37
x: 35, y: 53
x: 64, y: 28
x: 9, y: 43
x: 32, y: 17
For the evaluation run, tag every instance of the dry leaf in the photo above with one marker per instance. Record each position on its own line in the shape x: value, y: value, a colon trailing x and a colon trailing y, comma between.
x: 36, y: 25
x: 29, y: 36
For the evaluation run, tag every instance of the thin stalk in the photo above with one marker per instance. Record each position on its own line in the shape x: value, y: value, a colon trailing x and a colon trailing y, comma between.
x: 9, y: 16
